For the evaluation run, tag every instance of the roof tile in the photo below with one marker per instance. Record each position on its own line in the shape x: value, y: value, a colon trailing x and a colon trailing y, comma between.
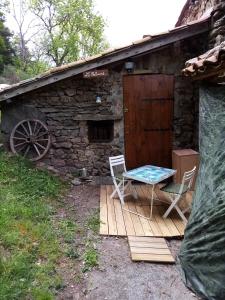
x: 213, y: 58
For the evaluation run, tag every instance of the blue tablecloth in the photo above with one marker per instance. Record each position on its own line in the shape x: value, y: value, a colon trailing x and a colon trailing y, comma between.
x: 149, y: 174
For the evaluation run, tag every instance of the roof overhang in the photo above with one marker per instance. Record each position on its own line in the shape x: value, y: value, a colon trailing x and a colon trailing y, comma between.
x: 146, y: 45
x: 208, y: 65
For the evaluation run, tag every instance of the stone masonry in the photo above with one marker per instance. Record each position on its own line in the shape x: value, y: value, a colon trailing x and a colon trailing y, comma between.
x: 68, y: 105
x: 195, y: 9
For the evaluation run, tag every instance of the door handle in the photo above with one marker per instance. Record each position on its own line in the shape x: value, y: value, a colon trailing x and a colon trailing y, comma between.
x: 125, y: 109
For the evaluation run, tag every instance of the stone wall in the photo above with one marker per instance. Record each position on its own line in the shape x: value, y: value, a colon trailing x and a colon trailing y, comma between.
x: 67, y: 106
x: 217, y: 33
x: 195, y: 9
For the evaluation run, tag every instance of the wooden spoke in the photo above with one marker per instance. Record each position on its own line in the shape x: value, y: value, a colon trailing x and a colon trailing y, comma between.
x: 20, y: 144
x: 40, y: 135
x: 30, y: 137
x: 39, y: 145
x: 19, y: 150
x: 25, y: 129
x: 19, y: 138
x: 38, y: 130
x: 19, y: 132
x: 27, y: 150
x: 36, y: 148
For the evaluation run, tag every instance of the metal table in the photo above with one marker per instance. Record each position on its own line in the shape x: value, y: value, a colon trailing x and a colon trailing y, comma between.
x: 151, y: 175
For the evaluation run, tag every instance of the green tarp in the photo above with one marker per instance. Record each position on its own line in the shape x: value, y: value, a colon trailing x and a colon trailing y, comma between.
x: 202, y: 254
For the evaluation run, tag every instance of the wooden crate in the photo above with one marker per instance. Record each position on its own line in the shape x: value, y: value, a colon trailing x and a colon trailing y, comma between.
x: 184, y: 160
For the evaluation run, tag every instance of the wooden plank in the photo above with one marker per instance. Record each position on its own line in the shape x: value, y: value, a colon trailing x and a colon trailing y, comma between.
x: 135, y: 219
x: 121, y: 230
x: 148, y: 245
x: 150, y: 250
x: 128, y: 221
x: 160, y: 221
x: 116, y: 221
x: 103, y: 60
x: 157, y: 219
x: 146, y: 239
x: 152, y: 257
x: 177, y: 222
x: 144, y: 222
x: 142, y: 200
x: 104, y: 230
x: 111, y: 213
x: 153, y: 224
x: 169, y: 223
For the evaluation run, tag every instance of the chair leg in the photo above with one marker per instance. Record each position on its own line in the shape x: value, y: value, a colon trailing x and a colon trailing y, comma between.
x: 174, y: 205
x: 180, y: 213
x: 170, y: 207
x: 113, y: 194
x: 118, y: 192
x: 124, y: 186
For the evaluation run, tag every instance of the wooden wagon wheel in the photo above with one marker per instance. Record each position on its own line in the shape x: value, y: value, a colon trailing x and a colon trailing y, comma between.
x: 30, y: 138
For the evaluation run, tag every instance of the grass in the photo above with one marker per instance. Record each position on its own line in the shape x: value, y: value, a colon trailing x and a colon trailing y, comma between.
x: 93, y: 221
x: 90, y: 257
x: 29, y: 243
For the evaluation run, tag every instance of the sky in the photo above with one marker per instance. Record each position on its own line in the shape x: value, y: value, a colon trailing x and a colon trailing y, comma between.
x: 129, y: 20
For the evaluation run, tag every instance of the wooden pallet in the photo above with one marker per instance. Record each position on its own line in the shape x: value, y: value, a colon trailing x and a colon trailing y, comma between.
x: 150, y: 249
x: 118, y: 222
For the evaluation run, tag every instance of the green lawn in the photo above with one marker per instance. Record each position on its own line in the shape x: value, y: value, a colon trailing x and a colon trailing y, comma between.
x: 29, y: 243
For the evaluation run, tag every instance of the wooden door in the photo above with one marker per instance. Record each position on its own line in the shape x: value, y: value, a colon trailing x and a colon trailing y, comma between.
x: 148, y: 116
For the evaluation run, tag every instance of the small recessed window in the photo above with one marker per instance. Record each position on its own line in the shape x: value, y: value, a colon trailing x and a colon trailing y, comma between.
x: 100, y: 131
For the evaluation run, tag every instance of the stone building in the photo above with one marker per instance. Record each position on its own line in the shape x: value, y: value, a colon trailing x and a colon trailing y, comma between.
x: 132, y: 100
x: 196, y: 9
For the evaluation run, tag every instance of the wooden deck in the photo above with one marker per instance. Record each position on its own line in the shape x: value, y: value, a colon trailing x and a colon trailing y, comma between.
x: 118, y: 222
x: 152, y: 249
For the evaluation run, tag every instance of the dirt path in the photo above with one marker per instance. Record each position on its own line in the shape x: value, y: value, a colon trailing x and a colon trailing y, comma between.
x: 117, y: 277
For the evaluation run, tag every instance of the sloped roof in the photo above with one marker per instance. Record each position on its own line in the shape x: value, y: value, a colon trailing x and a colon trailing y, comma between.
x: 211, y: 60
x: 136, y: 48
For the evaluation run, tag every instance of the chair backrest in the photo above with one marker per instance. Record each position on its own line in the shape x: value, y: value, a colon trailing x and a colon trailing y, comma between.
x: 117, y: 161
x: 188, y: 179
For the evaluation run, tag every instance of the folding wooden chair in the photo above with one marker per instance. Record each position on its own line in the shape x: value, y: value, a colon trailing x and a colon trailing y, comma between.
x: 177, y: 191
x: 120, y: 183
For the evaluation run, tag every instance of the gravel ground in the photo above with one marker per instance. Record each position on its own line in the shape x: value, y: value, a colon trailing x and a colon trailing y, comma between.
x: 117, y: 277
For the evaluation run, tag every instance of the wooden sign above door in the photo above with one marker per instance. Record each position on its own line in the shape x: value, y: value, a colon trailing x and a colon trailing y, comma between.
x: 96, y: 73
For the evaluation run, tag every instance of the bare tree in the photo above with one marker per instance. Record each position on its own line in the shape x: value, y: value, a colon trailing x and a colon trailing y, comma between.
x: 26, y: 29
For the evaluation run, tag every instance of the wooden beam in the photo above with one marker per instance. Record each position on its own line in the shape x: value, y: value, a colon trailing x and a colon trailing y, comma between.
x: 124, y: 53
x: 97, y: 117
